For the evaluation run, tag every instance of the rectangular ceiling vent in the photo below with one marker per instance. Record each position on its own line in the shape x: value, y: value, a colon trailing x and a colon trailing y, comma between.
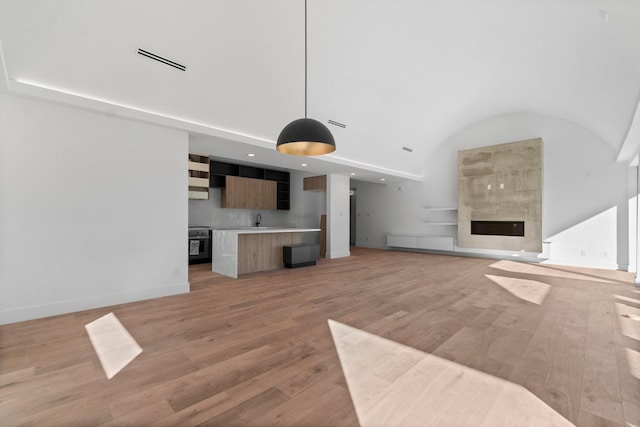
x: 162, y: 60
x: 340, y: 125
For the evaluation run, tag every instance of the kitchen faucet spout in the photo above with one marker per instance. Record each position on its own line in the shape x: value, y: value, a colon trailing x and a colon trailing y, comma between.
x: 258, y: 219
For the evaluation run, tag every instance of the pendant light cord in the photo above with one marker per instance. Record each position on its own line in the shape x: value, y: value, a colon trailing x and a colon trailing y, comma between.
x: 305, y: 59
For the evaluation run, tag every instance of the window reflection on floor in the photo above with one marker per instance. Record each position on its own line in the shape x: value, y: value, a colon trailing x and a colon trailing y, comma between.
x: 113, y: 344
x: 525, y: 289
x: 395, y: 385
x: 550, y: 271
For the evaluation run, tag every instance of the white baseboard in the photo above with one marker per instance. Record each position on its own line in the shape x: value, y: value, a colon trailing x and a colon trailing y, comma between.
x: 332, y: 255
x: 372, y: 245
x: 20, y: 314
x: 591, y: 263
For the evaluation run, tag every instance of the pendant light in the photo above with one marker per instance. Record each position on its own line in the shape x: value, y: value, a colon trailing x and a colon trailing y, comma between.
x: 305, y: 137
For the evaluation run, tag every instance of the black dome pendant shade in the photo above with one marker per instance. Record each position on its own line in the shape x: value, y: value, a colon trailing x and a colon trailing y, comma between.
x: 305, y: 137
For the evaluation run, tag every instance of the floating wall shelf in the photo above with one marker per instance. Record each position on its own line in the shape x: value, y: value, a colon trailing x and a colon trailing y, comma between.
x: 198, y: 177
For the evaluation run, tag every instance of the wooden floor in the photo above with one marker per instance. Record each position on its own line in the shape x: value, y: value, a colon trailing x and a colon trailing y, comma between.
x: 259, y: 351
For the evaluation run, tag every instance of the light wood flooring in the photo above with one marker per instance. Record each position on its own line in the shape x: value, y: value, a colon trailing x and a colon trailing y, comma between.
x: 259, y: 350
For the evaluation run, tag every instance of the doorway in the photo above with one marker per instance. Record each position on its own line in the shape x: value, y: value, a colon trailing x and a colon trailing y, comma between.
x: 352, y: 217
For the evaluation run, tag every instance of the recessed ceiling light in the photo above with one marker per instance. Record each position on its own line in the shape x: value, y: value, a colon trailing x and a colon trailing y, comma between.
x: 304, y: 165
x: 251, y: 155
x: 382, y: 179
x: 353, y: 173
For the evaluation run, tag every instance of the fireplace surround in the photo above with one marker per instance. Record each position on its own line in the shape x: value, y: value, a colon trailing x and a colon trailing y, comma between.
x: 500, y: 196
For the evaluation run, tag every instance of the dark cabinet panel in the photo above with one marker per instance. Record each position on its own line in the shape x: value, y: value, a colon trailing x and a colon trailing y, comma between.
x: 280, y: 176
x: 283, y: 194
x: 250, y: 172
x: 219, y: 171
x: 221, y: 168
x: 217, y: 181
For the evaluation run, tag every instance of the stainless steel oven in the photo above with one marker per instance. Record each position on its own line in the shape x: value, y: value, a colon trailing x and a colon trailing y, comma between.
x: 199, y: 244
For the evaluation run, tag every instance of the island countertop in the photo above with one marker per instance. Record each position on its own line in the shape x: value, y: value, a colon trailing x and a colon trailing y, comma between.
x: 256, y: 230
x: 242, y: 250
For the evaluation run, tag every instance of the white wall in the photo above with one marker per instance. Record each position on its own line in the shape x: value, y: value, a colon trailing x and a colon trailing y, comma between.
x: 384, y: 208
x: 585, y: 190
x: 632, y: 197
x: 306, y: 206
x: 210, y: 213
x: 337, y: 216
x: 93, y: 210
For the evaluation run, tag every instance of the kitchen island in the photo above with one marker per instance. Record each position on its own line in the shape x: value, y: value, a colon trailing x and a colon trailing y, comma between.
x: 251, y: 249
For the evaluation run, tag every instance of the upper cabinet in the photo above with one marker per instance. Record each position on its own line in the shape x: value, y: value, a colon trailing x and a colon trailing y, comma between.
x: 259, y: 188
x: 315, y: 183
x: 198, y: 177
x: 249, y: 193
x: 219, y: 171
x: 281, y: 179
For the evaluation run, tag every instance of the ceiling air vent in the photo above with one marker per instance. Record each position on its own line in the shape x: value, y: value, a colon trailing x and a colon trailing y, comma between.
x: 333, y: 122
x: 162, y: 60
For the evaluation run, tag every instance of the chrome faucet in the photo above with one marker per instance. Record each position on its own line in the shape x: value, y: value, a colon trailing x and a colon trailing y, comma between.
x: 258, y: 219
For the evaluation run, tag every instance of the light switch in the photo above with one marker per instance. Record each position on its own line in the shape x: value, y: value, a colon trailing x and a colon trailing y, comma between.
x: 489, y: 187
x: 502, y: 186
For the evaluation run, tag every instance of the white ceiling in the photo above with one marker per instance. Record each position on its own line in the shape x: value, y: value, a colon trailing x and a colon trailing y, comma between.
x: 397, y: 73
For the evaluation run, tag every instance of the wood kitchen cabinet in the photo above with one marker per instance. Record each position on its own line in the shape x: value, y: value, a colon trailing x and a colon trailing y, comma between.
x: 249, y: 193
x: 198, y: 177
x: 315, y: 183
x: 221, y: 171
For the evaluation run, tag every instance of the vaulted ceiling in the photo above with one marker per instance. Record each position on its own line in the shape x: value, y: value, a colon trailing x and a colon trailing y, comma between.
x: 397, y: 73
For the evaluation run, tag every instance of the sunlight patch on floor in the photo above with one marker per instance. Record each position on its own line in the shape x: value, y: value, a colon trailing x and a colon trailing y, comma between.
x: 521, y: 267
x: 628, y: 318
x: 627, y: 299
x: 113, y: 344
x: 633, y: 359
x: 395, y: 385
x: 528, y: 290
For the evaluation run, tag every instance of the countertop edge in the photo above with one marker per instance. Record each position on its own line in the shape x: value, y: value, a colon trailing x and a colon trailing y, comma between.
x: 268, y: 230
